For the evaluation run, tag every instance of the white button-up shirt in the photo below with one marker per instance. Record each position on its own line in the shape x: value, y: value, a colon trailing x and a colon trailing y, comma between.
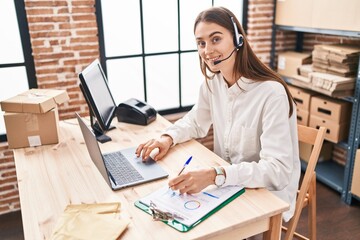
x: 252, y: 131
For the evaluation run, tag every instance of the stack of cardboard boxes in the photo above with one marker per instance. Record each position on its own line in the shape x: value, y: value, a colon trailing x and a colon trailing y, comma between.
x: 339, y: 154
x: 290, y: 61
x: 31, y: 118
x: 334, y: 114
x: 332, y: 72
x: 335, y: 67
x: 315, y: 110
x: 303, y: 98
x: 338, y: 59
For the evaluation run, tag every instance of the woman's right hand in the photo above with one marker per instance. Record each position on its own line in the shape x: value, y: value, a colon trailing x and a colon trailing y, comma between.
x: 163, y: 144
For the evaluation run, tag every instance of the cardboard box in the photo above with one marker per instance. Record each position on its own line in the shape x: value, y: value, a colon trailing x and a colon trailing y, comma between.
x: 331, y: 82
x: 302, y: 97
x: 355, y: 184
x: 331, y: 109
x: 339, y: 154
x: 31, y: 129
x: 31, y: 118
x: 323, y: 14
x: 335, y: 132
x: 302, y: 116
x: 294, y: 13
x: 325, y: 153
x: 305, y: 70
x: 35, y: 101
x: 289, y: 62
x: 338, y: 15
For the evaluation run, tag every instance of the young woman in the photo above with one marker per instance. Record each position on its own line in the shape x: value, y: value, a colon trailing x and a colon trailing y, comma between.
x: 251, y: 110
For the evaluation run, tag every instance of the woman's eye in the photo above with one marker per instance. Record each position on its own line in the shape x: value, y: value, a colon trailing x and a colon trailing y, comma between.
x: 201, y: 44
x: 215, y: 39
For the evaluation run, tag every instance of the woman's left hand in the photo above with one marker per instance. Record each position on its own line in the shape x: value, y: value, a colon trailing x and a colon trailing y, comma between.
x: 193, y: 181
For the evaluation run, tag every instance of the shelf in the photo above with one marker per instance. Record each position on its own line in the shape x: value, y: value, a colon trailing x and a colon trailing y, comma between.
x: 304, y: 85
x: 330, y: 173
x: 343, y: 144
x: 318, y: 31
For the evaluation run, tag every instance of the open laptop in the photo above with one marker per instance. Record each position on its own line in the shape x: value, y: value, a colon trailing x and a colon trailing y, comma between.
x: 121, y: 168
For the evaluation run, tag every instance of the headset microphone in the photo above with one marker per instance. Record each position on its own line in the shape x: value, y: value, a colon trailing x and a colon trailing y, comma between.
x: 238, y: 41
x: 219, y: 61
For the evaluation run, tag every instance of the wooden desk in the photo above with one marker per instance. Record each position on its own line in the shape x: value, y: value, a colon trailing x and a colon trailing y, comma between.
x: 53, y: 176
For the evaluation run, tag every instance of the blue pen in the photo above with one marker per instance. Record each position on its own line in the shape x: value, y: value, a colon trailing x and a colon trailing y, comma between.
x: 186, y: 163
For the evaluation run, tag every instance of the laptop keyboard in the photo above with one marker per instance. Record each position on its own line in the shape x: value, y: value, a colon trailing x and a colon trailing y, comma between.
x: 120, y: 168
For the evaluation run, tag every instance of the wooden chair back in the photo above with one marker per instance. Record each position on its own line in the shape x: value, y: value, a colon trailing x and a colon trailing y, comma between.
x: 307, y: 192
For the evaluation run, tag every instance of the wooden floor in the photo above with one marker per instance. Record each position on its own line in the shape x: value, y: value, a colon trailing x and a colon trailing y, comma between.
x: 335, y: 219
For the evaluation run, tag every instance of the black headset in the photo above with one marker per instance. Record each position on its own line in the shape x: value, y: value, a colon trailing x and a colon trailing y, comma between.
x: 238, y: 37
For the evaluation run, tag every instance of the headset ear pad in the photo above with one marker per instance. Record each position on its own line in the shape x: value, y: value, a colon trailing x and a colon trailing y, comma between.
x: 240, y: 40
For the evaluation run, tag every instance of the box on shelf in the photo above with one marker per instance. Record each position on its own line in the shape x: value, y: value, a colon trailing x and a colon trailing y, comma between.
x: 302, y: 97
x: 331, y: 82
x: 305, y: 70
x: 339, y: 154
x: 306, y: 81
x: 290, y: 61
x: 31, y: 118
x: 335, y: 90
x: 322, y: 14
x: 337, y: 53
x: 325, y: 153
x: 355, y: 184
x: 332, y: 109
x: 294, y: 13
x: 302, y: 116
x: 335, y: 132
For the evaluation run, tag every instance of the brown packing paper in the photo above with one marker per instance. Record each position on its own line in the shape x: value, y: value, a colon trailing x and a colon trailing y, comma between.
x: 90, y: 221
x: 88, y: 226
x: 345, y: 66
x: 305, y: 69
x: 100, y: 208
x: 321, y: 56
x: 331, y: 82
x: 340, y: 53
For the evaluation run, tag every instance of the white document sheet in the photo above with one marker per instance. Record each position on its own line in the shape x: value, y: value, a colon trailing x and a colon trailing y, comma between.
x: 190, y: 207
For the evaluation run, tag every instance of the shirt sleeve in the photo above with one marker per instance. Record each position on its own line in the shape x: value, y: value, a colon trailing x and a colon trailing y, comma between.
x: 196, y: 123
x: 274, y: 168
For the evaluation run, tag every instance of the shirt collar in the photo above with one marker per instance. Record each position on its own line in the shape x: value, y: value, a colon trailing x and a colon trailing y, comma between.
x: 245, y: 84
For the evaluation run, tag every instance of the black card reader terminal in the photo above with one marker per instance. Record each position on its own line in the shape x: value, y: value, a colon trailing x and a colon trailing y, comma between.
x: 136, y: 112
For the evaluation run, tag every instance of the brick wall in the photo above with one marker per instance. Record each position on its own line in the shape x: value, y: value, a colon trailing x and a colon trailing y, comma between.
x: 9, y: 196
x: 64, y: 40
x: 259, y: 29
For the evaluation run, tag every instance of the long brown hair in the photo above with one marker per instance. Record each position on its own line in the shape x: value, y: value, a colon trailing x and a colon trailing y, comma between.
x: 246, y: 62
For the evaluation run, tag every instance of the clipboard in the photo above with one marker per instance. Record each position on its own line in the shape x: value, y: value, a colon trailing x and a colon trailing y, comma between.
x: 182, y: 227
